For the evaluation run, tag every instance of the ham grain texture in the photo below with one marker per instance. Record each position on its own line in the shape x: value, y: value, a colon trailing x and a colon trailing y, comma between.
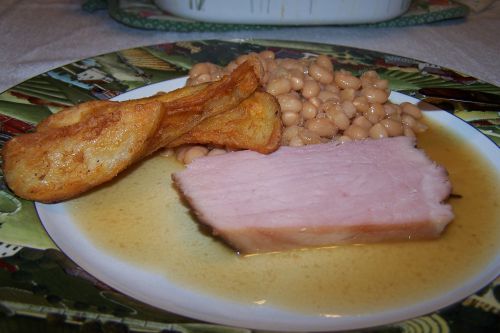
x: 319, y: 195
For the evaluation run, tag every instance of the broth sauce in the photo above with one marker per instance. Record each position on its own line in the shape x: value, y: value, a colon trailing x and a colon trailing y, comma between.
x: 140, y: 218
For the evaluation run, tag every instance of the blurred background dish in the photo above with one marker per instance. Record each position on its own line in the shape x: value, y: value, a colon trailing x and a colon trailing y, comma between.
x: 286, y: 12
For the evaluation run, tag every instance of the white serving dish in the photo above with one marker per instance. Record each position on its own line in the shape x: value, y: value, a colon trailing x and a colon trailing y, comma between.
x: 286, y: 12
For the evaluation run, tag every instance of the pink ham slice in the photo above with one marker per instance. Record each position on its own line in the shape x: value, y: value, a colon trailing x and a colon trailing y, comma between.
x: 319, y: 195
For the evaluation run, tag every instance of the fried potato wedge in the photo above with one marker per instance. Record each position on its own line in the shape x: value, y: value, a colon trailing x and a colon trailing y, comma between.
x: 86, y: 145
x: 183, y: 114
x: 60, y: 163
x: 254, y: 124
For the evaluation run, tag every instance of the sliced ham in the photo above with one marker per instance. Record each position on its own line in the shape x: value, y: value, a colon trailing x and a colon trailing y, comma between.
x: 319, y: 195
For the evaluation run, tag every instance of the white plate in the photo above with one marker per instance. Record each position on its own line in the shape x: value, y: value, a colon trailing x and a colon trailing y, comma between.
x: 169, y: 295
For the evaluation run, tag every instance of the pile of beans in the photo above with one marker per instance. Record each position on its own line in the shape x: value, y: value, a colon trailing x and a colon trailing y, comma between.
x: 318, y: 103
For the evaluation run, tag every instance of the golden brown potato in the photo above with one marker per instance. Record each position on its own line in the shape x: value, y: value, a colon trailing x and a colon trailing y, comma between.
x: 60, y: 163
x: 183, y: 114
x: 254, y: 124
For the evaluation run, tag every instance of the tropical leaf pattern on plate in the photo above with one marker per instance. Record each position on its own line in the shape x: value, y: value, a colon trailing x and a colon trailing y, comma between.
x: 38, y: 280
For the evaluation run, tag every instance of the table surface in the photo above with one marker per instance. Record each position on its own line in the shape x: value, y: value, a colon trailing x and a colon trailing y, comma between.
x: 40, y: 36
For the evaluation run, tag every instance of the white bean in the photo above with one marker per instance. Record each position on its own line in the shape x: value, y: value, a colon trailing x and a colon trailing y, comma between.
x: 290, y: 118
x: 324, y: 62
x: 323, y: 127
x: 193, y: 153
x: 309, y: 110
x: 320, y: 74
x: 279, y: 86
x: 310, y: 89
x: 289, y: 103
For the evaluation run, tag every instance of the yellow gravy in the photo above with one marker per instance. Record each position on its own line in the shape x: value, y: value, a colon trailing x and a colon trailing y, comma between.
x: 139, y: 218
